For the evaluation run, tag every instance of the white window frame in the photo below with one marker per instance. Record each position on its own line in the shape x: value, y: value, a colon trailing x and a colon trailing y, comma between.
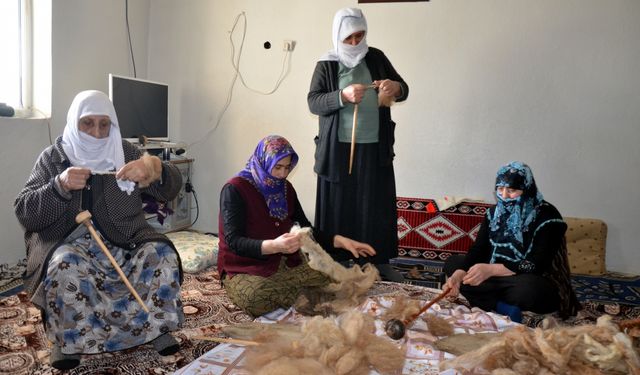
x: 34, y: 90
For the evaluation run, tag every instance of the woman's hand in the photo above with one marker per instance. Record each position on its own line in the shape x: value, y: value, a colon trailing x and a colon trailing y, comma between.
x: 287, y: 243
x: 145, y: 170
x: 478, y: 273
x: 388, y: 87
x: 74, y: 178
x: 356, y: 248
x: 454, y: 281
x: 353, y: 93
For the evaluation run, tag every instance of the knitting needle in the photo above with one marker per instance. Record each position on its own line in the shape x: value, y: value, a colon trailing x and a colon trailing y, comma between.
x: 228, y: 341
x: 84, y: 217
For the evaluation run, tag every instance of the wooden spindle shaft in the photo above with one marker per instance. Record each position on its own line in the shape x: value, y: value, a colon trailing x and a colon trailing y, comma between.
x: 84, y: 217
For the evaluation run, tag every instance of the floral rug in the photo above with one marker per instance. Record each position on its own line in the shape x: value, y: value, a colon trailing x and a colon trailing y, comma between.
x: 24, y: 348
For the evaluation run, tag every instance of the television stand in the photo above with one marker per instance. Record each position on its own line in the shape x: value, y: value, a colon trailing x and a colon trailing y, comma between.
x: 180, y: 205
x: 161, y: 149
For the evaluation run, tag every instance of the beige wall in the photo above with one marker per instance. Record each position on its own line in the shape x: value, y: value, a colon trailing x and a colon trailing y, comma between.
x: 552, y: 83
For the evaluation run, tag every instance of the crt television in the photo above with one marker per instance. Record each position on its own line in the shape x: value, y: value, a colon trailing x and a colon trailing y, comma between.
x: 141, y: 106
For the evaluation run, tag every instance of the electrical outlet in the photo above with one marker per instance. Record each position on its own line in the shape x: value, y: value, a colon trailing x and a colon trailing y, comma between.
x: 289, y: 45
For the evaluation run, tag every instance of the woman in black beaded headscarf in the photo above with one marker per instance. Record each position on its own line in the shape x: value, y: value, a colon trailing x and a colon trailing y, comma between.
x: 519, y: 258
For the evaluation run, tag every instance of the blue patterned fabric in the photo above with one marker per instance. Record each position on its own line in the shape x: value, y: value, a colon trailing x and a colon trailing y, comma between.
x: 267, y: 154
x: 514, y: 217
x: 89, y: 308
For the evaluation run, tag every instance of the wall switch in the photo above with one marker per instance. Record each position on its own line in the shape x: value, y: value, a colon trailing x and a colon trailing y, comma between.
x: 289, y: 45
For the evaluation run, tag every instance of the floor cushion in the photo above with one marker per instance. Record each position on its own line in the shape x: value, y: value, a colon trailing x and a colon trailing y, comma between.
x: 586, y: 244
x: 197, y: 250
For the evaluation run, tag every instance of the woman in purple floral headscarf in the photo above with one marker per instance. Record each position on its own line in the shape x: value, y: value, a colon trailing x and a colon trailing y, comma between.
x: 259, y: 262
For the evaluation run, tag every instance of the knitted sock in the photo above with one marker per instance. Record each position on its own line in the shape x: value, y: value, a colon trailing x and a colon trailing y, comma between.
x: 166, y: 344
x: 63, y: 361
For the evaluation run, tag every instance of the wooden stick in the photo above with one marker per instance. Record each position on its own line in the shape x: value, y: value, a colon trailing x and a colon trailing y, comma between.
x: 84, y: 217
x: 426, y: 307
x: 353, y: 136
x: 228, y: 341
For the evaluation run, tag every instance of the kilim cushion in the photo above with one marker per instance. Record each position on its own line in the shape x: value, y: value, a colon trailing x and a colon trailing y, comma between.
x: 429, y: 234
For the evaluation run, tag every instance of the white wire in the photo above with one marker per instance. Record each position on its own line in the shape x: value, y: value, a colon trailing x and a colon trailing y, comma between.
x: 235, y: 62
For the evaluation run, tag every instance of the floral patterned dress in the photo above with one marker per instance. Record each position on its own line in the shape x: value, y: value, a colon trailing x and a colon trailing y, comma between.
x: 89, y: 308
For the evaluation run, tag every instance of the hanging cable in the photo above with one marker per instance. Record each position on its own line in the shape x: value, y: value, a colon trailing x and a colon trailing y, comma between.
x: 126, y: 15
x: 235, y: 62
x: 188, y: 187
x: 195, y: 197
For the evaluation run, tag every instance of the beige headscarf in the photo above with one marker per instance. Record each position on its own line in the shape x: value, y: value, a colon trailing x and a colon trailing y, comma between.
x: 85, y: 151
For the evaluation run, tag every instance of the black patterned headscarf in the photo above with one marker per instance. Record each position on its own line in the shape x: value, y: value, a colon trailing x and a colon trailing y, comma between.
x: 513, y: 217
x: 267, y: 154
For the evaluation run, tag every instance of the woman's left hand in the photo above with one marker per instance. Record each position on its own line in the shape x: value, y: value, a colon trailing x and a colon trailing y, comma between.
x: 356, y: 248
x: 141, y: 171
x: 388, y: 87
x: 478, y: 273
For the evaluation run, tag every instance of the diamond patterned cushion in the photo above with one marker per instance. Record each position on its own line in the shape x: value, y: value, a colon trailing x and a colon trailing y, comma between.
x: 197, y: 250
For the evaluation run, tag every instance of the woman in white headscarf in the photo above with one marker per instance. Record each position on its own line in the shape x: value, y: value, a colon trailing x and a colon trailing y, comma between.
x: 360, y: 205
x: 86, y: 308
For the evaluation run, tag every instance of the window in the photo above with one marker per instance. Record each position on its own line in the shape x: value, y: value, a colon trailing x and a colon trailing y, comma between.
x: 11, y: 63
x: 25, y: 65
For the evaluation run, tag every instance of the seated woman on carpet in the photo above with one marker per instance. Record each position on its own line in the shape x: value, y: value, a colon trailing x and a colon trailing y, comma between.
x: 519, y: 259
x: 86, y: 307
x: 259, y: 260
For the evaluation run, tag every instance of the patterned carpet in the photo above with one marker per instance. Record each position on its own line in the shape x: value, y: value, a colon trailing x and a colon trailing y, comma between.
x: 610, y: 288
x: 24, y: 348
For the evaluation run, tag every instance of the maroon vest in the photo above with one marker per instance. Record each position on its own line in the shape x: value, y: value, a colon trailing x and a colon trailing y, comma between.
x: 260, y: 226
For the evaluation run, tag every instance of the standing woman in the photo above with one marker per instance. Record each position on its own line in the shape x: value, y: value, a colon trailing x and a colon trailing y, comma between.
x: 520, y: 256
x: 362, y: 204
x: 86, y: 307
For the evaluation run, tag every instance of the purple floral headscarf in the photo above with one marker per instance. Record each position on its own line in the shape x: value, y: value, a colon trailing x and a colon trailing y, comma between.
x: 268, y: 153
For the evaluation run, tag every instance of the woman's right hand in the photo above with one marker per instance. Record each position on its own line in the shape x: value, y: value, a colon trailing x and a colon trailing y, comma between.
x: 454, y: 281
x: 287, y: 243
x: 353, y: 93
x: 74, y: 178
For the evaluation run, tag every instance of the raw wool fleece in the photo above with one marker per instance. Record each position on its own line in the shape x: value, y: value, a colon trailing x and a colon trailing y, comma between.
x: 405, y: 309
x: 385, y: 100
x: 584, y: 350
x: 349, y: 286
x: 438, y: 326
x: 346, y: 345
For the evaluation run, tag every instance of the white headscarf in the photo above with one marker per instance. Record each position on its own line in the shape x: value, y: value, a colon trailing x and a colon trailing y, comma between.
x: 84, y: 150
x: 346, y: 22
